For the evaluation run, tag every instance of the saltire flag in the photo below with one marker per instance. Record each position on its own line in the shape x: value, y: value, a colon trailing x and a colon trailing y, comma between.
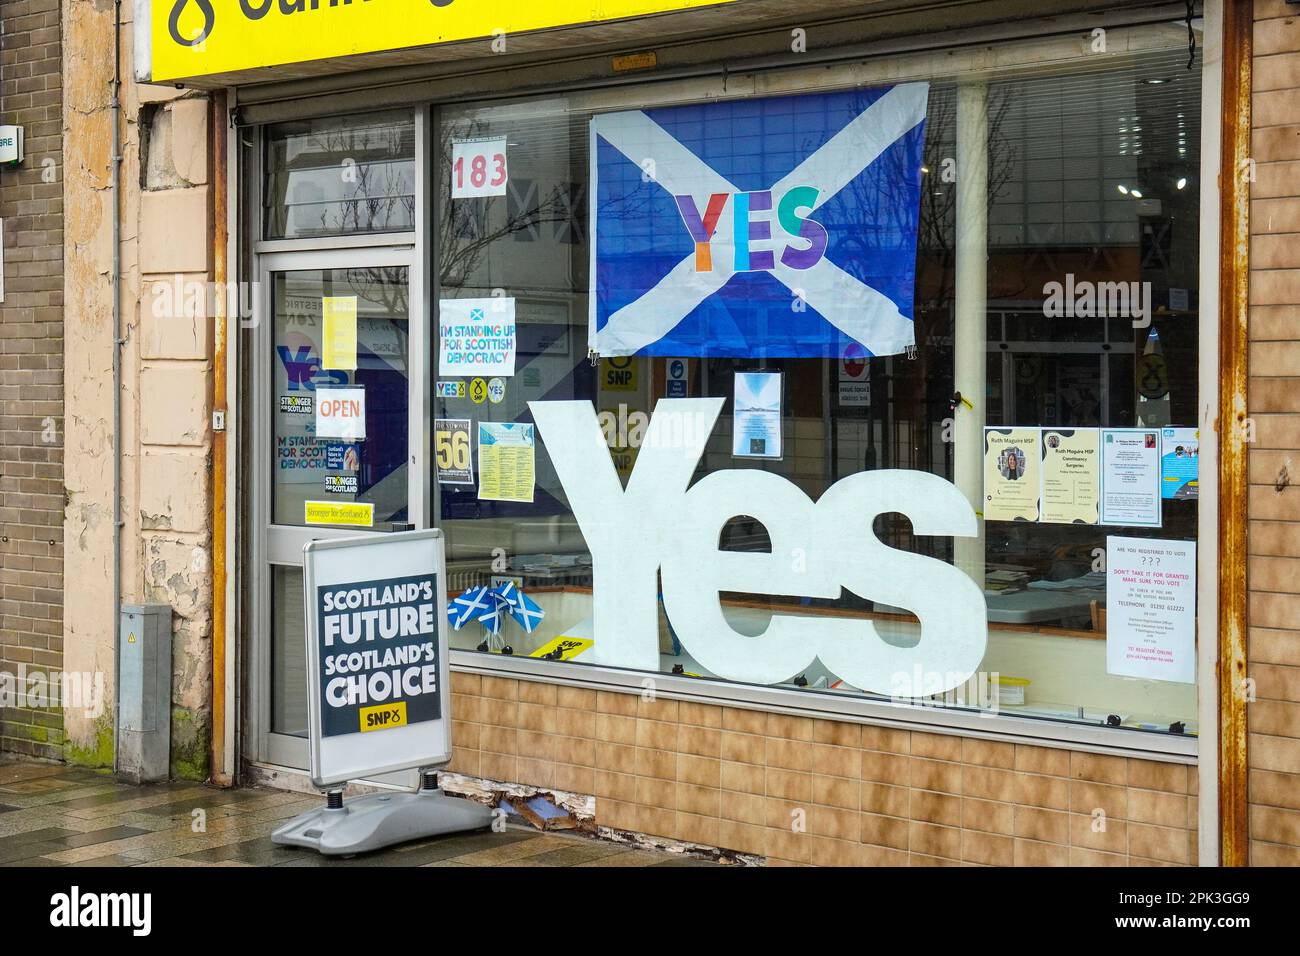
x: 527, y: 612
x: 776, y: 227
x: 489, y: 606
x: 469, y: 606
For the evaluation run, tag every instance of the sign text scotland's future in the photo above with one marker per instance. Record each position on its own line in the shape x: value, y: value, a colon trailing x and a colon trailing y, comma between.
x: 379, y: 654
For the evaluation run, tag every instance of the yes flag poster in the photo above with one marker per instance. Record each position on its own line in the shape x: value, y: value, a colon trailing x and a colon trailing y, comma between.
x: 776, y: 227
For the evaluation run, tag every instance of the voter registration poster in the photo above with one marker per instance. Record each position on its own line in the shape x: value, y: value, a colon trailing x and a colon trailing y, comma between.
x: 1151, y: 609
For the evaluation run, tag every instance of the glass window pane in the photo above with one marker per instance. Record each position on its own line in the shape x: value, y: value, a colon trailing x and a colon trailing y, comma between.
x: 1059, y: 148
x: 331, y: 177
x: 288, y: 654
x: 311, y: 469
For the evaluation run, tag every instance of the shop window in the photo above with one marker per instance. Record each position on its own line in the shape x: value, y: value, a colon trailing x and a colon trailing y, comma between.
x: 362, y: 464
x: 1088, y: 354
x: 336, y: 177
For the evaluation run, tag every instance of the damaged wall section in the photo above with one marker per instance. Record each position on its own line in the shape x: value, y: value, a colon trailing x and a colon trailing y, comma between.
x: 165, y: 205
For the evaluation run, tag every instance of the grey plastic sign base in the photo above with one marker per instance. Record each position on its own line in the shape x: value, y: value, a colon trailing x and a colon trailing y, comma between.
x: 380, y: 820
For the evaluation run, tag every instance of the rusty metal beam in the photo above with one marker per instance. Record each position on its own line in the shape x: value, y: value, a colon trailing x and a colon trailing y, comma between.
x: 1234, y: 303
x: 220, y: 274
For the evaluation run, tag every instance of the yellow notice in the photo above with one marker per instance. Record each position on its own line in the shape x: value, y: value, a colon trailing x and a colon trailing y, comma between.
x: 563, y: 648
x: 355, y: 514
x: 339, y: 318
x: 383, y: 716
x: 1071, y: 475
x: 206, y: 37
x: 506, y: 461
x: 1011, y: 474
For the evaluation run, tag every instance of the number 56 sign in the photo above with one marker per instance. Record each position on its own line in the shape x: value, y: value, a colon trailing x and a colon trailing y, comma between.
x: 478, y: 168
x: 452, y: 452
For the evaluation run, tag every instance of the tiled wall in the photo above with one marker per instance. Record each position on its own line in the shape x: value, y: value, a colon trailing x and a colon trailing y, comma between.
x: 1273, y: 537
x: 744, y: 780
x: 31, y: 369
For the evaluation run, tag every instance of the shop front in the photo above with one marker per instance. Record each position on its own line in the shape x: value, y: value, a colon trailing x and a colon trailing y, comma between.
x: 816, y: 413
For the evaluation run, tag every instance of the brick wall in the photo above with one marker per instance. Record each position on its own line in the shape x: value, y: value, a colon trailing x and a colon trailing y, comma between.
x: 1273, y: 569
x: 31, y: 368
x: 869, y: 796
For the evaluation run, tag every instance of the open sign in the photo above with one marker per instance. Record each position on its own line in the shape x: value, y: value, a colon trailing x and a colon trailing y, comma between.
x: 341, y: 413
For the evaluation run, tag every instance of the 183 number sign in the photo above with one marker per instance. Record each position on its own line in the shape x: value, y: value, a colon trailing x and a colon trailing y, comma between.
x: 478, y: 168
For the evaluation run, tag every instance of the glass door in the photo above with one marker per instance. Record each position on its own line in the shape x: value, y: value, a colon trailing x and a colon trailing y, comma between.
x: 339, y: 422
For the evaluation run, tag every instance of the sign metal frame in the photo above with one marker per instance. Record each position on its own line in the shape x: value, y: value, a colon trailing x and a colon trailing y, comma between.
x: 337, y: 760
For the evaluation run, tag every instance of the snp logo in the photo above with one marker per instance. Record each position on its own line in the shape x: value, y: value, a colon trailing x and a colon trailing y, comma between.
x: 76, y: 909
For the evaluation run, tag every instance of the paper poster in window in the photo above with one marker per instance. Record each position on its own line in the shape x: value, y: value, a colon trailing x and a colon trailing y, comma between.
x: 1151, y: 608
x: 1071, y: 482
x: 339, y: 335
x: 506, y: 461
x: 1012, y: 465
x: 1180, y: 462
x: 1130, y: 477
x: 756, y: 421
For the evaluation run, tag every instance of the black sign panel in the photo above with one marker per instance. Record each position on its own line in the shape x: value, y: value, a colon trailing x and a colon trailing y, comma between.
x: 378, y: 649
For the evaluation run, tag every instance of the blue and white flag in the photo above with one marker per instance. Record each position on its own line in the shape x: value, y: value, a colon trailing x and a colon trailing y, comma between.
x: 781, y: 227
x: 469, y: 606
x: 527, y: 612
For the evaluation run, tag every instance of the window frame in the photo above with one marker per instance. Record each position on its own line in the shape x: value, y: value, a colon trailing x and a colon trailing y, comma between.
x: 1021, y: 55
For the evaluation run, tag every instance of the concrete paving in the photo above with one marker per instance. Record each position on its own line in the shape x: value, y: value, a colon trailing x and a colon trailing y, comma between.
x: 52, y: 815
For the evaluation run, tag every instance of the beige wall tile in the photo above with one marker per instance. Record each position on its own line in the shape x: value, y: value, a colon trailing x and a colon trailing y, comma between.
x: 887, y: 799
x: 933, y: 840
x: 1045, y: 826
x: 575, y: 723
x: 743, y: 777
x: 988, y: 815
x: 744, y: 721
x: 886, y: 739
x: 932, y: 774
x: 1098, y: 767
x: 929, y: 807
x: 842, y: 792
x: 1172, y: 845
x: 743, y: 748
x: 884, y: 831
x: 1154, y: 775
x: 837, y: 732
x: 615, y: 786
x: 1045, y: 760
x: 987, y: 848
x: 656, y: 763
x: 536, y: 693
x: 610, y: 702
x: 1031, y: 853
x: 701, y: 715
x: 703, y: 771
x: 576, y: 698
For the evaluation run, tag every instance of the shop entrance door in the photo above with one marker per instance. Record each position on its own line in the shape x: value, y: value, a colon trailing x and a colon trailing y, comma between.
x: 343, y: 328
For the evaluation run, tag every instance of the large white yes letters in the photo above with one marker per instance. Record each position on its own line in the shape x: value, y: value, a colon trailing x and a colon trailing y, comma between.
x: 817, y: 549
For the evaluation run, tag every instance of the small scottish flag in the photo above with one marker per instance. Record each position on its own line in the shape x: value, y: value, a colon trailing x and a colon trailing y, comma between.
x: 492, y: 617
x: 527, y: 612
x: 469, y: 606
x: 779, y: 227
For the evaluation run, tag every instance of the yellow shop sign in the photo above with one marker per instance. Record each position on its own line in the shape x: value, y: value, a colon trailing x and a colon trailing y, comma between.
x: 193, y: 38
